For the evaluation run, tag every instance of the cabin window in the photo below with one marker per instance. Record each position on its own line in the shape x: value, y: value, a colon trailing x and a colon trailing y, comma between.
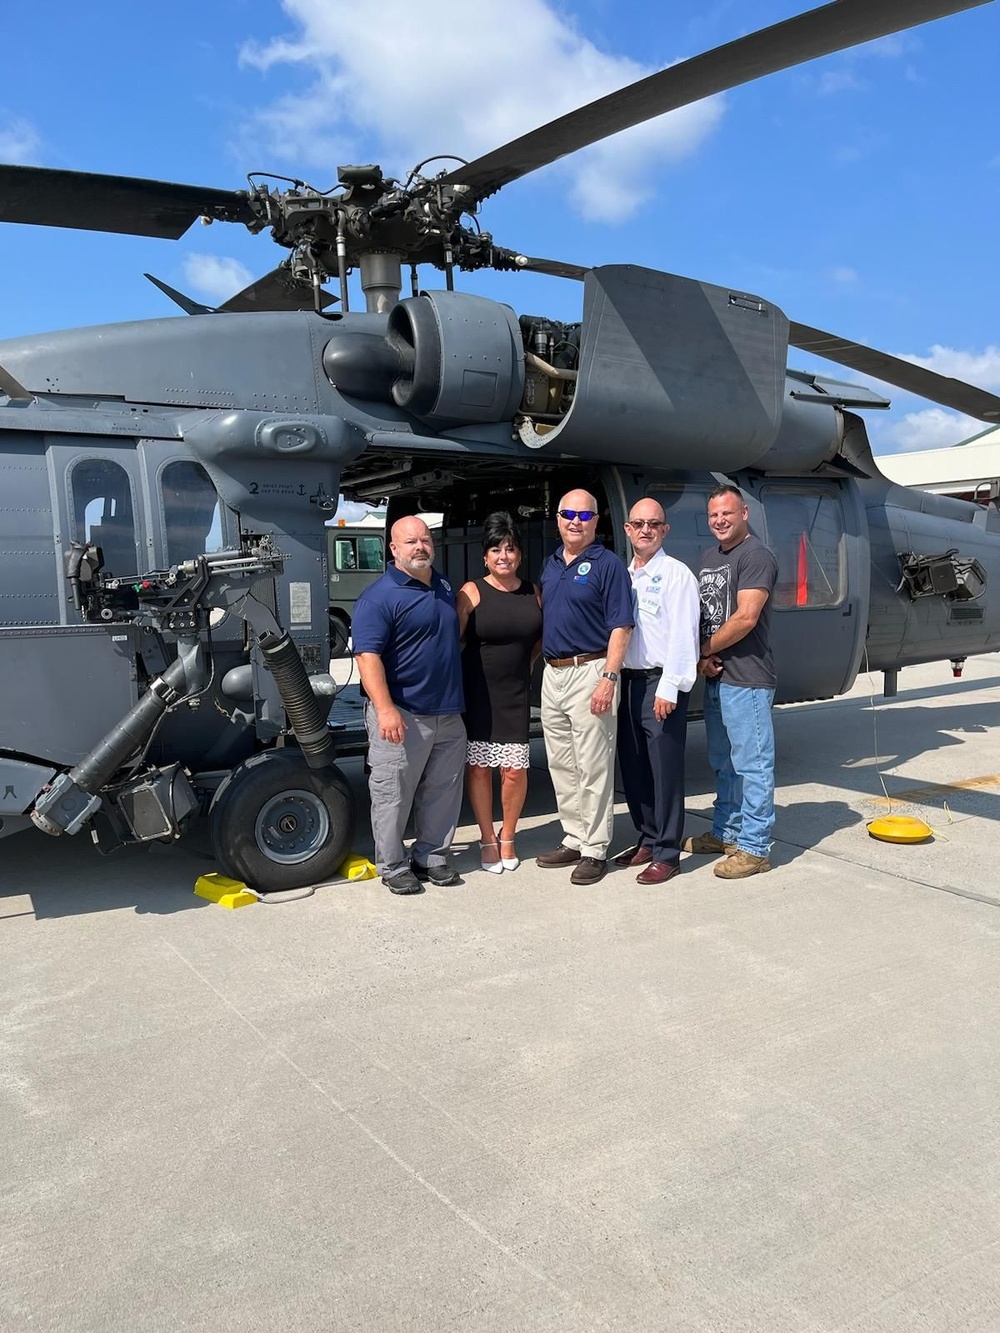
x: 805, y: 530
x: 102, y: 513
x: 192, y: 515
x: 365, y: 553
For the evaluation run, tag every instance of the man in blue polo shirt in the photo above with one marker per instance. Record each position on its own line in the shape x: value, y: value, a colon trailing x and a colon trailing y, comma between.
x: 587, y: 621
x: 406, y: 645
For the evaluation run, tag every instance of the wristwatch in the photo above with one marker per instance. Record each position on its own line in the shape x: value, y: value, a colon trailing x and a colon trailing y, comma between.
x: 609, y: 675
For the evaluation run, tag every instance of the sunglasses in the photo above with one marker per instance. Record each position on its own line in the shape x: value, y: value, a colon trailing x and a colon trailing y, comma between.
x: 584, y: 515
x: 644, y: 523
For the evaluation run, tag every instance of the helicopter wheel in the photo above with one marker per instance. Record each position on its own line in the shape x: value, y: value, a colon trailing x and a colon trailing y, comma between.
x: 339, y: 633
x: 278, y: 824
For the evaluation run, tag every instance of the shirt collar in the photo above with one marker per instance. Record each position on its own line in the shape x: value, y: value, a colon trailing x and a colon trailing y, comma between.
x: 650, y: 564
x: 590, y: 552
x: 402, y: 578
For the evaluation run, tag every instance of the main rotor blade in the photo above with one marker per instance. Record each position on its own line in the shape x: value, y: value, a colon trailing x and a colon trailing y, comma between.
x: 819, y: 32
x: 125, y: 204
x: 893, y: 370
x: 554, y: 267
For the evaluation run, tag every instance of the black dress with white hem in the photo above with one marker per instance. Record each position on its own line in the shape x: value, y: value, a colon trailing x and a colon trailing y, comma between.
x: 496, y: 674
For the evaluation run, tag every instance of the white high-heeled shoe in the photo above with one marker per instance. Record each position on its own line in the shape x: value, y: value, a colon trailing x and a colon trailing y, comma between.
x: 508, y: 862
x: 491, y: 867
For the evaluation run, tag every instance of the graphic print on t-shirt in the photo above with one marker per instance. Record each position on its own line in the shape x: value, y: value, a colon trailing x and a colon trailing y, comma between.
x: 715, y: 590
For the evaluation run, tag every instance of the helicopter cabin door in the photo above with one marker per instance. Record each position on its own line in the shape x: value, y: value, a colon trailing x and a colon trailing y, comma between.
x: 818, y: 532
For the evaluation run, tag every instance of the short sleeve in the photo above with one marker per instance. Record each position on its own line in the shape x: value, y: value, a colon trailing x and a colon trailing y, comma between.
x: 618, y: 603
x: 370, y: 626
x: 758, y: 569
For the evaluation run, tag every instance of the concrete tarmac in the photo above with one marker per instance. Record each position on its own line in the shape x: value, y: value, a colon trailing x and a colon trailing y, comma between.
x: 710, y: 1106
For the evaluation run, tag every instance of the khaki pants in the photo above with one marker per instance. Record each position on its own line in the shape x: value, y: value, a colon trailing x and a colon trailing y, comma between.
x: 581, y: 753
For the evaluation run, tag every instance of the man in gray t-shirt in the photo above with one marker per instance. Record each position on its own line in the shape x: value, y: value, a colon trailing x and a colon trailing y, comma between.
x: 735, y: 583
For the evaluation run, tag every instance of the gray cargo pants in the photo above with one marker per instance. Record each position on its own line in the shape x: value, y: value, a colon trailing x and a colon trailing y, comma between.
x: 423, y: 775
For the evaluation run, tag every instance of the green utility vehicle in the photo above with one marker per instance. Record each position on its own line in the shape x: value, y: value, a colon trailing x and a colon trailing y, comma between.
x: 355, y: 558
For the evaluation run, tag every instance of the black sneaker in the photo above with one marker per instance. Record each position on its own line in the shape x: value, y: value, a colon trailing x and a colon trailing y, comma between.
x: 436, y: 874
x: 403, y: 881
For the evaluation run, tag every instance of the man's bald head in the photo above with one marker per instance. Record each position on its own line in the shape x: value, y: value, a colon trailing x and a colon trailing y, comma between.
x: 412, y: 547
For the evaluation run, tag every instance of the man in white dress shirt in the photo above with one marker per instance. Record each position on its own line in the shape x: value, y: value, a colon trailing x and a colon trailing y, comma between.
x: 660, y: 667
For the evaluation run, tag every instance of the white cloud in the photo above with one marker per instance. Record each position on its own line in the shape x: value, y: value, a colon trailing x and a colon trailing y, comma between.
x: 838, y: 81
x: 979, y: 368
x: 891, y: 47
x: 845, y: 76
x: 937, y: 427
x: 933, y: 428
x: 844, y: 276
x: 19, y: 140
x: 408, y: 77
x: 215, y: 276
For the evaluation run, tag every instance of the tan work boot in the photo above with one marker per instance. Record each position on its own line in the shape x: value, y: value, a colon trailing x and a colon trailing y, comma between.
x: 707, y: 844
x: 738, y: 864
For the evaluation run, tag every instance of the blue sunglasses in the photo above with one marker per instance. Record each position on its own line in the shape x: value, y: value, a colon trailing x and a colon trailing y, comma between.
x: 584, y: 515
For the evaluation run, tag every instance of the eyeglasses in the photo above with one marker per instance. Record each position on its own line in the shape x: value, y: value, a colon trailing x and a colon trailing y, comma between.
x: 584, y: 515
x: 644, y: 523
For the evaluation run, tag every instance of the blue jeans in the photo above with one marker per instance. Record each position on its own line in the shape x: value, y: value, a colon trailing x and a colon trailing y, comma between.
x: 740, y: 738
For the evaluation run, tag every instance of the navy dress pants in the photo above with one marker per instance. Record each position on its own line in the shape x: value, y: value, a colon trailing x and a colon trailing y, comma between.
x: 651, y: 759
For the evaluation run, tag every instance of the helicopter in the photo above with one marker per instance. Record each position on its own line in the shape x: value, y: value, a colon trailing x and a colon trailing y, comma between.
x: 164, y: 639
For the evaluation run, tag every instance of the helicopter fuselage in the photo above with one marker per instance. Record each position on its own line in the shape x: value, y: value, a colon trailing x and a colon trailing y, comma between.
x: 153, y: 444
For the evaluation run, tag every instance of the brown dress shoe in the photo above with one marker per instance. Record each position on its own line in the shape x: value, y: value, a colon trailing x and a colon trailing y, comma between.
x: 657, y: 872
x: 634, y: 856
x: 559, y: 856
x: 589, y: 871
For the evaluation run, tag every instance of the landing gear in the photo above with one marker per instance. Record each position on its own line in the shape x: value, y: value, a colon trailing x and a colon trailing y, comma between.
x: 278, y: 824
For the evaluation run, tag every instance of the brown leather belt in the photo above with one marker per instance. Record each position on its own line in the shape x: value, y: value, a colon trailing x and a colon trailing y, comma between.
x: 574, y: 661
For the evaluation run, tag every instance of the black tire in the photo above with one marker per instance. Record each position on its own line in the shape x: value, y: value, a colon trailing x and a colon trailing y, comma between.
x: 278, y: 824
x: 340, y: 632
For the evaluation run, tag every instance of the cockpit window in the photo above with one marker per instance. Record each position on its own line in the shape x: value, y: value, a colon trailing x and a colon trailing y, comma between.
x: 192, y: 517
x: 102, y: 512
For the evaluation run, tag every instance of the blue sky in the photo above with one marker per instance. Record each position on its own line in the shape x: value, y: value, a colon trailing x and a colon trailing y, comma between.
x: 860, y: 193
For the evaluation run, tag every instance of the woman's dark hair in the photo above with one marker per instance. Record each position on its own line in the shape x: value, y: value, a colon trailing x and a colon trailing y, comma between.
x: 499, y: 528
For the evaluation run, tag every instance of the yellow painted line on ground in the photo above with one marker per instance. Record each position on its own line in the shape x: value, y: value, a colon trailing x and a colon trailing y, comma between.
x: 937, y: 789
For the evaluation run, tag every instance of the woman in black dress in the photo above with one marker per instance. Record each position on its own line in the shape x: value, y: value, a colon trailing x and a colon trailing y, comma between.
x: 501, y: 622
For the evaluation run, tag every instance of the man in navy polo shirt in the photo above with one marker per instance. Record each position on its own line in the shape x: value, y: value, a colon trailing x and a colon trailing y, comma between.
x: 587, y: 621
x: 406, y: 645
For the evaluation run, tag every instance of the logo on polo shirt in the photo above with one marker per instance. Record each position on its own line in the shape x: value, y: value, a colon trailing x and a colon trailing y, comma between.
x: 446, y: 584
x: 582, y: 571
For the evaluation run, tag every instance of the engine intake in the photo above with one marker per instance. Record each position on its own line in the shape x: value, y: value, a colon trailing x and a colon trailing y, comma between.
x: 460, y: 358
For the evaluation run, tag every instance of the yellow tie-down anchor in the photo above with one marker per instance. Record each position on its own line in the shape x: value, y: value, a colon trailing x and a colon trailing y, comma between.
x: 899, y: 828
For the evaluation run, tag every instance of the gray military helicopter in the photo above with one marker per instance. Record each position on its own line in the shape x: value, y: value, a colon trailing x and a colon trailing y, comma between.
x: 163, y: 590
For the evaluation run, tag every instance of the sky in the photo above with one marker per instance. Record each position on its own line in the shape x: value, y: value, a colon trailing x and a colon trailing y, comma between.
x: 859, y: 193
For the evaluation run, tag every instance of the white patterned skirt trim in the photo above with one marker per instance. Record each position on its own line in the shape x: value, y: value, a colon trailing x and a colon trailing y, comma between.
x: 491, y: 754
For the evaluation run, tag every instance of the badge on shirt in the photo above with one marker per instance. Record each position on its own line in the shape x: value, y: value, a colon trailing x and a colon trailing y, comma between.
x: 582, y: 571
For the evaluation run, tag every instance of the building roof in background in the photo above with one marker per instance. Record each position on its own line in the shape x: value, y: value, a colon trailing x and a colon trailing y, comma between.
x: 376, y: 519
x: 962, y: 467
